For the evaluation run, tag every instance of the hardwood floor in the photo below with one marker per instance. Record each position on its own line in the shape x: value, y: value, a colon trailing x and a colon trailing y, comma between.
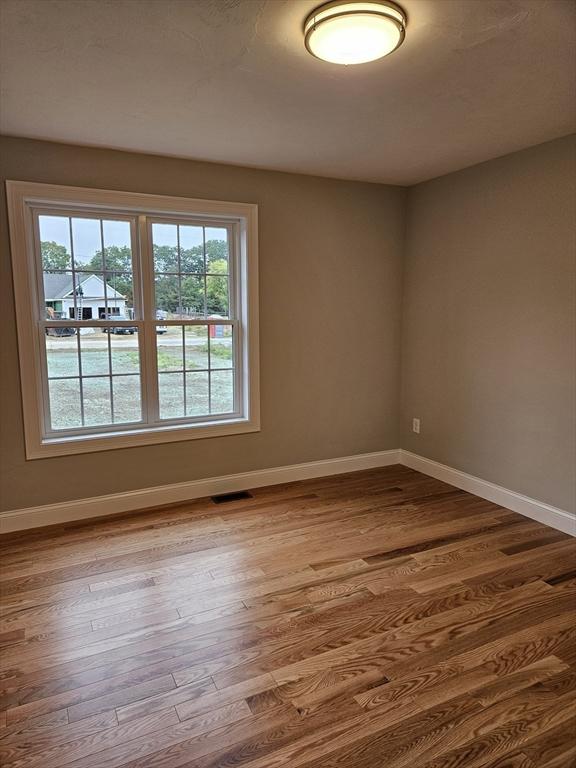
x: 377, y: 619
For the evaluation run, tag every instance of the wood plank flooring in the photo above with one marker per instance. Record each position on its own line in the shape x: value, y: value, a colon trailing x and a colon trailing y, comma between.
x: 379, y: 619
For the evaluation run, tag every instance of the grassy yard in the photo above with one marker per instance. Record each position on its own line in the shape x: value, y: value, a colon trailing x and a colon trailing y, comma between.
x: 195, y: 377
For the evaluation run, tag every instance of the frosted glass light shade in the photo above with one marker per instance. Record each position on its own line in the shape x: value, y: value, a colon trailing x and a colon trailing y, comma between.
x: 354, y: 32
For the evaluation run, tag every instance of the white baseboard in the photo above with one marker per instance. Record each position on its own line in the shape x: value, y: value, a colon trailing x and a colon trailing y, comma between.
x: 114, y: 503
x: 524, y: 505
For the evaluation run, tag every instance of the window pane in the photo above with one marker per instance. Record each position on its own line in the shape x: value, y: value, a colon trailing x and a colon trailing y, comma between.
x: 125, y: 353
x: 216, y: 250
x: 65, y: 411
x: 86, y: 244
x: 101, y: 407
x: 61, y: 354
x: 169, y: 349
x: 191, y: 249
x: 171, y: 391
x: 117, y: 245
x: 167, y: 295
x: 221, y: 346
x: 197, y: 397
x: 217, y: 303
x: 165, y: 247
x: 94, y: 349
x: 103, y: 254
x: 196, y: 347
x: 127, y: 406
x: 97, y: 402
x: 191, y: 266
x: 55, y: 243
x: 221, y: 392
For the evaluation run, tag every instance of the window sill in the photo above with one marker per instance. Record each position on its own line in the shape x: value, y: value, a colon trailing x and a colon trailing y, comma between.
x: 64, y: 446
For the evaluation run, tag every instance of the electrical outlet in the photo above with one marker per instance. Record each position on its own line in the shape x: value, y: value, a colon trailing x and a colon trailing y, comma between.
x: 416, y: 426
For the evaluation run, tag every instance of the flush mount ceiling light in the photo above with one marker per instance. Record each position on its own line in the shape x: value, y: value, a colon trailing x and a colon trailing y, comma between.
x: 354, y: 32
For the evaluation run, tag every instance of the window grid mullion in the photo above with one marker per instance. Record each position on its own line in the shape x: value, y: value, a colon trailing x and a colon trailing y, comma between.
x: 73, y: 266
x: 92, y: 376
x: 112, y: 323
x: 135, y: 323
x: 39, y: 300
x: 184, y: 368
x: 109, y: 339
x: 104, y: 274
x: 108, y: 335
x: 235, y: 299
x: 149, y: 354
x: 205, y: 268
x: 209, y: 374
x: 179, y: 308
x: 80, y: 383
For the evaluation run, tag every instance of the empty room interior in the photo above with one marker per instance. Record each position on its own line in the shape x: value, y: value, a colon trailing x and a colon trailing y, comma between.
x: 288, y: 384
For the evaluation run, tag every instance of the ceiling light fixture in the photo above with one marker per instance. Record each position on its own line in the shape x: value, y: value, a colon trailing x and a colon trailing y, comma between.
x: 354, y: 32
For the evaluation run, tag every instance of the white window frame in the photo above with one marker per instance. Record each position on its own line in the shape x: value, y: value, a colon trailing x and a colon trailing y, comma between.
x: 25, y: 199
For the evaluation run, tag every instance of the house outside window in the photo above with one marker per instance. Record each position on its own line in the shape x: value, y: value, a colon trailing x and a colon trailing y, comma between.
x: 89, y: 299
x: 138, y: 320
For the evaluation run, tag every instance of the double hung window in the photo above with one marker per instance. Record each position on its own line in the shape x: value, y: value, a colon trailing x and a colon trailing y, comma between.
x: 137, y: 317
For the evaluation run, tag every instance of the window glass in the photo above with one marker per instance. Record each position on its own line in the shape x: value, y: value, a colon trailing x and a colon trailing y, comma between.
x: 191, y: 270
x: 87, y: 270
x: 99, y: 371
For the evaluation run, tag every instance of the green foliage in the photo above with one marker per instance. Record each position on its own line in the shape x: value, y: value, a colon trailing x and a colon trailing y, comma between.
x: 54, y: 256
x: 168, y: 362
x: 192, y: 285
x: 223, y: 351
x: 217, y: 289
x: 191, y: 259
x: 166, y: 259
x: 216, y: 250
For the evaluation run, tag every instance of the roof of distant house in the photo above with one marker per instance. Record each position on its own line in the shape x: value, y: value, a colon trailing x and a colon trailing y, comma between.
x: 59, y: 286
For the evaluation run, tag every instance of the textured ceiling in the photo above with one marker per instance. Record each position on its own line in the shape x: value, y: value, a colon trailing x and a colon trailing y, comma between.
x: 230, y: 81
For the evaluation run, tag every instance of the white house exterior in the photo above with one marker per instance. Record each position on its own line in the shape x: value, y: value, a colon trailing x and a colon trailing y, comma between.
x: 90, y: 301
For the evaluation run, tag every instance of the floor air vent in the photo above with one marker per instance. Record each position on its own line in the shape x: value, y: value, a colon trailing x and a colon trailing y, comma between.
x: 222, y: 498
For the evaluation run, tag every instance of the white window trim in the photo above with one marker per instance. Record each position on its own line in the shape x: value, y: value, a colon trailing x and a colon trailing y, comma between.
x: 23, y: 197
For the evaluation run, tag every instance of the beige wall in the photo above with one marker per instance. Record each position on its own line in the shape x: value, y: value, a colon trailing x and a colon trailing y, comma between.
x: 489, y: 322
x: 330, y: 271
